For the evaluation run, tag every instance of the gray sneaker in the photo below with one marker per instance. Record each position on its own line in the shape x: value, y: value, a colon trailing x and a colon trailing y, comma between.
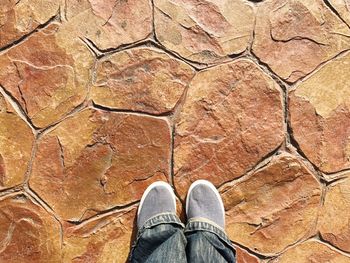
x: 204, y: 201
x: 158, y: 198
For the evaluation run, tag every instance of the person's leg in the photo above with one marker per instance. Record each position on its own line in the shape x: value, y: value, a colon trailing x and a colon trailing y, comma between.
x: 206, y: 238
x: 160, y: 235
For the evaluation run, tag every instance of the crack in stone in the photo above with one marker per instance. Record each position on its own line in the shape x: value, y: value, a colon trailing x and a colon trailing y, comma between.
x: 4, y: 243
x: 30, y: 163
x: 61, y: 151
x: 295, y: 38
x: 15, y: 61
x: 339, y: 34
x: 48, y: 106
x: 101, y: 214
x: 335, y: 12
x: 105, y: 108
x: 32, y: 195
x: 265, y: 223
x: 340, y: 54
x: 19, y: 87
x: 319, y: 238
x: 147, y: 177
x: 265, y: 67
x: 337, y: 180
x: 251, y: 251
x: 17, y: 107
x: 2, y: 171
x: 142, y: 43
x: 26, y: 36
x: 164, y: 13
x: 45, y: 130
x: 104, y: 179
x: 270, y: 219
x: 34, y: 198
x: 7, y: 192
x: 296, y: 145
x: 321, y: 204
x: 260, y: 164
x: 25, y: 110
x: 172, y: 148
x: 153, y: 30
x: 102, y: 52
x: 112, y: 13
x: 197, y: 29
x: 91, y: 47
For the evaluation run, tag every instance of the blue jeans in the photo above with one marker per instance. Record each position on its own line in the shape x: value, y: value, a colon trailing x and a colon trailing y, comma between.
x: 164, y: 238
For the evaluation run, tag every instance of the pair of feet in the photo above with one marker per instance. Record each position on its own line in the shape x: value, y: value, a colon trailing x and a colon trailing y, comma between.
x: 203, y: 202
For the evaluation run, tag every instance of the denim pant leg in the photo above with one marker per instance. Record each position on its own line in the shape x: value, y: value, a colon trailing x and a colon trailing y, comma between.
x: 208, y: 243
x: 161, y: 239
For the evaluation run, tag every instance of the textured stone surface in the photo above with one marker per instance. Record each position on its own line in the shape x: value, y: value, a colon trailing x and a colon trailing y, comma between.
x: 334, y: 217
x: 274, y: 207
x: 84, y: 82
x: 141, y: 79
x: 15, y: 147
x: 27, y: 232
x: 294, y: 37
x: 312, y: 251
x: 47, y: 74
x: 244, y: 257
x: 106, y: 239
x: 320, y: 115
x: 109, y: 24
x: 204, y: 31
x: 231, y: 119
x: 343, y: 9
x: 97, y: 160
x: 19, y: 18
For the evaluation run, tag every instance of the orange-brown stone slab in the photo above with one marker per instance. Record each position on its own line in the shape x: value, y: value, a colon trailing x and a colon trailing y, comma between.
x: 334, y: 217
x: 320, y: 115
x: 244, y: 257
x: 204, y: 31
x: 97, y: 160
x: 141, y: 79
x: 231, y: 119
x: 108, y: 23
x: 274, y: 207
x: 27, y: 232
x: 19, y: 18
x: 16, y: 140
x: 105, y: 239
x: 294, y: 37
x: 311, y: 251
x: 47, y: 74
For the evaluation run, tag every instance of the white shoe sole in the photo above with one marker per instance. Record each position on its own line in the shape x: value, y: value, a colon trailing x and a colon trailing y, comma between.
x: 153, y: 185
x: 212, y: 187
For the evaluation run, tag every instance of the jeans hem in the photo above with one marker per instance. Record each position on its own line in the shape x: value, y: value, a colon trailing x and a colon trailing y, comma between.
x: 195, y: 224
x: 163, y: 218
x: 199, y: 224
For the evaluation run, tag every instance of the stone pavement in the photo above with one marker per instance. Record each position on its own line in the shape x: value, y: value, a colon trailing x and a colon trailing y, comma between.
x: 98, y: 99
